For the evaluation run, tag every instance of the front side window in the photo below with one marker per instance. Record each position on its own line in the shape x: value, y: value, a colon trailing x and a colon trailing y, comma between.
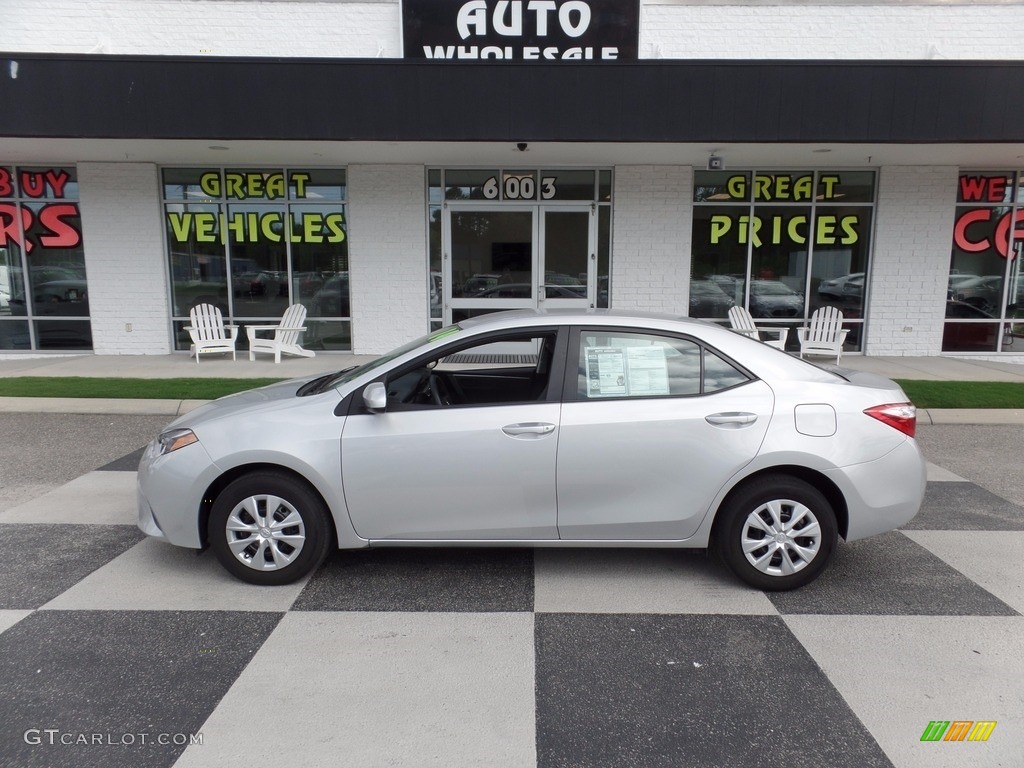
x: 44, y: 297
x: 985, y: 289
x: 616, y: 364
x: 782, y: 244
x: 501, y: 370
x: 253, y: 241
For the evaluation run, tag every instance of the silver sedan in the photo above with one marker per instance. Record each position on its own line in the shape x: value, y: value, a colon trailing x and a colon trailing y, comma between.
x: 592, y: 429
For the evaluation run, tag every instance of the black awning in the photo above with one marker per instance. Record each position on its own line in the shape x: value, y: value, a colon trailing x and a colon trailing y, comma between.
x: 135, y: 97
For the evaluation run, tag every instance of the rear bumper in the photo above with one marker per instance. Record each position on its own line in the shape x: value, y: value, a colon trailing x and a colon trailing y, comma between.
x: 884, y: 494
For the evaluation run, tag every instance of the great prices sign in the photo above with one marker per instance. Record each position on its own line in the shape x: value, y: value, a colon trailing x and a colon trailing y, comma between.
x: 52, y: 222
x: 786, y: 227
x: 521, y: 30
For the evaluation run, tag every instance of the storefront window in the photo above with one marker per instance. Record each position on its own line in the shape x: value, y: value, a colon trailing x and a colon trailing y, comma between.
x: 44, y: 300
x: 782, y: 244
x: 254, y: 241
x: 985, y: 292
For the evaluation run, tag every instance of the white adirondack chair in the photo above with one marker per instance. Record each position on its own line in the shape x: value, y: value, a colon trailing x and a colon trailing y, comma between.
x: 208, y: 332
x: 825, y: 335
x: 742, y: 322
x: 285, y: 338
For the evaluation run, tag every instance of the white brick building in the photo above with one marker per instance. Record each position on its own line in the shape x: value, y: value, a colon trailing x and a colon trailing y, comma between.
x: 872, y: 158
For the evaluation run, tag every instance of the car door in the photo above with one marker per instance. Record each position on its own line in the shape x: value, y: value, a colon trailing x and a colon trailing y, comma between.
x: 479, y: 465
x: 652, y: 428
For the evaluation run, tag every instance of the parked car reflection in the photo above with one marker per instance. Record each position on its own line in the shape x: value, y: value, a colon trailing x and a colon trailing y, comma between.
x: 773, y: 298
x: 836, y: 288
x: 332, y: 300
x: 707, y: 299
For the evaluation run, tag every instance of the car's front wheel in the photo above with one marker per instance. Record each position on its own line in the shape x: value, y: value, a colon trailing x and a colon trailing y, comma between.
x: 269, y: 528
x: 777, y: 533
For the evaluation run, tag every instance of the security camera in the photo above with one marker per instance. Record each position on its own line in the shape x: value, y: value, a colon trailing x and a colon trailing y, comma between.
x: 521, y: 146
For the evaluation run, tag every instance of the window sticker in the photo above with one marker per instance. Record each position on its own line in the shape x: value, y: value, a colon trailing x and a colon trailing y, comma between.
x: 633, y: 371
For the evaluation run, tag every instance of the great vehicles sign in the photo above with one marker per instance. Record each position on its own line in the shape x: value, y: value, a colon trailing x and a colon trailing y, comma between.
x: 521, y: 30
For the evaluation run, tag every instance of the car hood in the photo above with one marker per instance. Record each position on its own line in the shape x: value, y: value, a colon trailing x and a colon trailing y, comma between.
x: 258, y: 399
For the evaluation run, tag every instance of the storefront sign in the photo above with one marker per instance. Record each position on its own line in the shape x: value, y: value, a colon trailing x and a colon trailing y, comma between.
x: 997, y: 226
x: 521, y: 30
x: 49, y: 225
x: 981, y: 229
x: 273, y: 224
x: 256, y: 227
x: 790, y: 228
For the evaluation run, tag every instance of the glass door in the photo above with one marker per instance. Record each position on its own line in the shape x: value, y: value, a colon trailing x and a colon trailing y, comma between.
x: 567, y: 257
x: 491, y: 260
x: 518, y: 257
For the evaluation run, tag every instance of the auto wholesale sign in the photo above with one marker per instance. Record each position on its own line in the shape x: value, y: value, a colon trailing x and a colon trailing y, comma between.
x: 521, y: 30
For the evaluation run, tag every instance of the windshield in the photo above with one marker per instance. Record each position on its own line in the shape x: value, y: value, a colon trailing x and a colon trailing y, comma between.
x: 350, y: 374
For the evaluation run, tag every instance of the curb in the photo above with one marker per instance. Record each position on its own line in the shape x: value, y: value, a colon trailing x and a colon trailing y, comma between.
x: 98, y: 405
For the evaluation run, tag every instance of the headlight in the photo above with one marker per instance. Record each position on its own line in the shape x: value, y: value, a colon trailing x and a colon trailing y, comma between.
x: 172, y: 440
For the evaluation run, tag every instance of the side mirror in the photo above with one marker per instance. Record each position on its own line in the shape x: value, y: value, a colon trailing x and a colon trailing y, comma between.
x: 375, y: 397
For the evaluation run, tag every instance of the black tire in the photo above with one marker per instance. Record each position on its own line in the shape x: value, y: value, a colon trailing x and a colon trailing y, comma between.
x: 790, y: 558
x: 299, y: 530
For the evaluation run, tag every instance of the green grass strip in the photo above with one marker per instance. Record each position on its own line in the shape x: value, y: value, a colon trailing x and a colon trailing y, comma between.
x: 144, y: 389
x: 964, y: 394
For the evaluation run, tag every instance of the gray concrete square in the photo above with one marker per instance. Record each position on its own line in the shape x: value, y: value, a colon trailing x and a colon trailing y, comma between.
x: 42, y: 561
x: 450, y: 580
x: 952, y: 506
x: 890, y: 574
x: 695, y: 691
x: 111, y: 684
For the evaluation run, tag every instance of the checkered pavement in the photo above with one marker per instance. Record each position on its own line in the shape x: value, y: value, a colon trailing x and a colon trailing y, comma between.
x: 116, y: 650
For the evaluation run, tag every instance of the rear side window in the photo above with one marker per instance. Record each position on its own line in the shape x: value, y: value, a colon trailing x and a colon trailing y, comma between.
x: 629, y: 365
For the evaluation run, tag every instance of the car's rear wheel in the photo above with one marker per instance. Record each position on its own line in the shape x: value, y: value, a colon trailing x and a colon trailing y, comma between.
x: 777, y: 533
x: 269, y: 528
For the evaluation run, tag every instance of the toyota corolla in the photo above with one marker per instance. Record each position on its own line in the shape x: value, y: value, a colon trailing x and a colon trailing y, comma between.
x: 580, y: 429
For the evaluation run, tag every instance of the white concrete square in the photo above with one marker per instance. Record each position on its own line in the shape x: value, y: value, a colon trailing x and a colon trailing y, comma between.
x: 639, y: 581
x: 381, y: 689
x: 937, y: 474
x: 991, y: 559
x: 9, y: 618
x: 156, y: 576
x: 95, y: 498
x: 898, y: 673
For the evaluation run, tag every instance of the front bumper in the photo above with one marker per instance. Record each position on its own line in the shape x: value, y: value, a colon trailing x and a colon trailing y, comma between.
x: 170, y: 493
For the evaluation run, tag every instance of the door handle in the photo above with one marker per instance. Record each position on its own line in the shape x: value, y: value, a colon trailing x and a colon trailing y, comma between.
x: 731, y: 419
x: 530, y: 430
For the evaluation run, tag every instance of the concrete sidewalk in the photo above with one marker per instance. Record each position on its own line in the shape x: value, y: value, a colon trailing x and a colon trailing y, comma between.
x: 181, y: 366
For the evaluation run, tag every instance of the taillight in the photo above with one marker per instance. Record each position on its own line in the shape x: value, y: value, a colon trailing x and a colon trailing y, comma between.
x: 901, y: 416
